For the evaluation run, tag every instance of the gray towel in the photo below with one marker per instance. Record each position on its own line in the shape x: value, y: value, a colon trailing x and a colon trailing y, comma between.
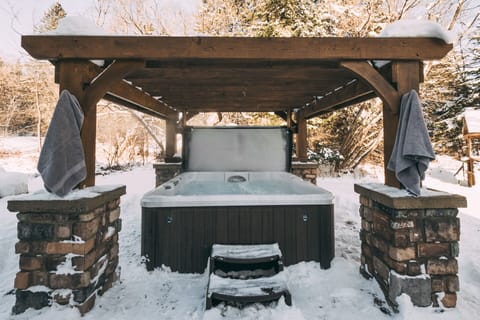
x: 412, y: 150
x: 61, y: 162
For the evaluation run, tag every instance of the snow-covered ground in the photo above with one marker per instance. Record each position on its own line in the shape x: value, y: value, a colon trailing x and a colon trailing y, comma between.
x: 337, y: 293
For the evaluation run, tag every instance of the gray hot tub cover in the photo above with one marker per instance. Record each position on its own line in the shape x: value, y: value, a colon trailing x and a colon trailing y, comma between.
x: 412, y: 150
x: 61, y: 163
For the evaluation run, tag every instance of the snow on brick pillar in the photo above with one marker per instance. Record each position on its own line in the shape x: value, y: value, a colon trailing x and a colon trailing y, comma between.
x: 410, y: 244
x: 68, y: 247
x: 165, y: 171
x: 308, y: 171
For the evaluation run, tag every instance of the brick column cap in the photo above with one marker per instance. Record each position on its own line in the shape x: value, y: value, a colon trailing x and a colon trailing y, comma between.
x: 78, y: 201
x: 399, y: 198
x: 309, y: 164
x: 166, y: 165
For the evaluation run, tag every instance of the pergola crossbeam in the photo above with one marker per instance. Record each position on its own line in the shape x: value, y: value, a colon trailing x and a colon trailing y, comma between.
x: 173, y: 48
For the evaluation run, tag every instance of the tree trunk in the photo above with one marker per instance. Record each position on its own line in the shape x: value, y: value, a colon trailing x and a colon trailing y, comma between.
x: 39, y: 115
x: 149, y: 130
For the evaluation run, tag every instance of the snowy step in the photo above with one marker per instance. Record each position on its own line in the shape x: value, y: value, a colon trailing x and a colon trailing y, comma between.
x: 247, y: 253
x: 242, y: 274
x: 246, y: 261
x: 263, y: 289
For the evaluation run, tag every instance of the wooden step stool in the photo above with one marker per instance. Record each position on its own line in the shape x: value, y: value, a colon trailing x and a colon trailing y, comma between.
x: 241, y: 274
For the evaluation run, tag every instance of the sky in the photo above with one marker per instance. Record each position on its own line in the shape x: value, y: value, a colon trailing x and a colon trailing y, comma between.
x: 18, y: 17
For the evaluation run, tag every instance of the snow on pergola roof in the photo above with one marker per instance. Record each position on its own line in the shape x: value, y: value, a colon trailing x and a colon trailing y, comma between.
x: 417, y: 28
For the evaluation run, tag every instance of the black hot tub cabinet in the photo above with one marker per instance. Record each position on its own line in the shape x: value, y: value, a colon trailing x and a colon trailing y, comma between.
x: 182, y: 218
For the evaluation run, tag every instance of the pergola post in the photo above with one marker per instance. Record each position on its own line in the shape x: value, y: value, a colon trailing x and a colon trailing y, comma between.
x: 406, y: 74
x: 73, y: 76
x: 170, y: 139
x: 301, y: 146
x: 301, y: 142
x: 470, y: 166
x: 82, y: 80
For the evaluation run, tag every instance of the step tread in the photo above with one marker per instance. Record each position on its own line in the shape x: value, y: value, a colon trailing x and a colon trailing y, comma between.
x: 246, y: 252
x: 264, y: 286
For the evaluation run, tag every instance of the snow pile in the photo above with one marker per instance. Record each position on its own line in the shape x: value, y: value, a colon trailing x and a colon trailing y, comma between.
x: 12, y: 183
x: 77, y: 25
x: 417, y: 28
x: 472, y: 118
x: 246, y: 251
x: 19, y: 154
x: 90, y: 192
x: 414, y: 28
x: 337, y: 293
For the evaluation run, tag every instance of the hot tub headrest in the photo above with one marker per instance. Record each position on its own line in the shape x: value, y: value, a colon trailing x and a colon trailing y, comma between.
x: 237, y: 149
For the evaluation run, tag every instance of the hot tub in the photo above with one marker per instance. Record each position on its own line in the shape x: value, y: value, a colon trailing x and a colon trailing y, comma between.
x: 183, y: 217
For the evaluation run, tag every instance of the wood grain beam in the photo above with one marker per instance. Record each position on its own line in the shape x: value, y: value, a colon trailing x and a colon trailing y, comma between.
x: 72, y: 75
x: 380, y: 85
x: 348, y: 103
x: 238, y: 105
x: 133, y: 106
x: 301, y: 141
x: 170, y: 138
x: 287, y: 71
x: 131, y: 95
x: 406, y: 75
x: 282, y: 114
x: 245, y: 94
x: 200, y: 84
x: 114, y: 72
x: 111, y: 86
x: 349, y: 94
x: 134, y: 47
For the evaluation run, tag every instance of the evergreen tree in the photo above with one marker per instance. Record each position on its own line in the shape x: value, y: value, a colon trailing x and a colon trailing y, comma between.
x: 356, y: 131
x: 452, y: 86
x: 291, y: 18
x: 472, y: 70
x: 442, y: 104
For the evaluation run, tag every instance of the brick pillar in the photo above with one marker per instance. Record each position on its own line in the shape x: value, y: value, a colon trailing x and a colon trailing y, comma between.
x: 410, y: 244
x: 308, y: 171
x: 165, y: 171
x: 68, y: 247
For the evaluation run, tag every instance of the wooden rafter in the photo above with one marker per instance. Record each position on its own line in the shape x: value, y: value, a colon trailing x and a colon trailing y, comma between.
x: 335, y: 107
x: 122, y: 92
x: 239, y: 104
x: 354, y: 91
x: 129, y: 95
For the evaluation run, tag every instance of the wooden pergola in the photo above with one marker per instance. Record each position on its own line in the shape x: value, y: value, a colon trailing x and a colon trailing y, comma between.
x: 174, y: 78
x: 471, y: 132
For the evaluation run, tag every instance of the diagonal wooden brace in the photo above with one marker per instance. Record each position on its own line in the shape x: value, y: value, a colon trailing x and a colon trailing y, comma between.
x: 380, y: 85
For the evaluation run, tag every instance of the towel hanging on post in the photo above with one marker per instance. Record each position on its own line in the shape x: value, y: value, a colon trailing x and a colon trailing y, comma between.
x: 412, y: 151
x: 62, y: 161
